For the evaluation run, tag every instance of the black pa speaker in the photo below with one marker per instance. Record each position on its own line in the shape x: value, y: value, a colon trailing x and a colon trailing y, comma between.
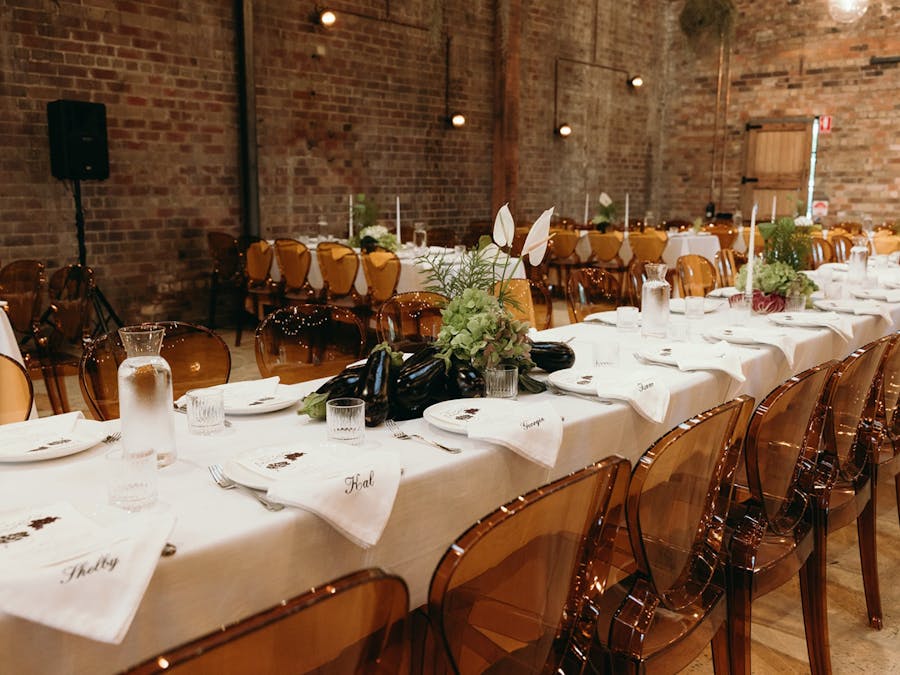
x: 77, y: 131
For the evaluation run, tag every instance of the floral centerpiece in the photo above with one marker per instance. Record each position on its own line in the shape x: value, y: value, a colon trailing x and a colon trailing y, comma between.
x: 606, y: 213
x: 375, y: 236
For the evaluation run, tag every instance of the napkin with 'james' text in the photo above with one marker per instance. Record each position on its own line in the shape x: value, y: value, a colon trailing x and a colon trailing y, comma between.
x: 533, y: 431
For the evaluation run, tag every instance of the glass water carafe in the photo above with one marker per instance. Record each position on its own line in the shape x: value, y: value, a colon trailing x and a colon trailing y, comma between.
x: 655, y: 301
x: 145, y: 394
x: 859, y: 261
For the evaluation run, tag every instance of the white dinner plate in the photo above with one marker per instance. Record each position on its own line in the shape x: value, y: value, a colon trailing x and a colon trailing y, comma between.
x: 738, y: 335
x: 265, y: 404
x: 664, y: 355
x: 455, y: 415
x: 85, y: 435
x: 576, y: 380
x: 261, y: 467
x: 802, y: 319
x: 840, y: 306
x: 609, y: 318
x: 871, y: 294
x: 724, y: 292
x: 676, y: 305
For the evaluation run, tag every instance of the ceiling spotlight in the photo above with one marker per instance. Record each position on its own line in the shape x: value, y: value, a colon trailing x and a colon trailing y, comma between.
x: 457, y: 120
x: 325, y: 17
x: 564, y: 130
x: 635, y: 81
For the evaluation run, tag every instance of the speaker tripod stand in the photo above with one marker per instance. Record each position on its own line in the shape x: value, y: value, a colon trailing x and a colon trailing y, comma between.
x: 102, y: 309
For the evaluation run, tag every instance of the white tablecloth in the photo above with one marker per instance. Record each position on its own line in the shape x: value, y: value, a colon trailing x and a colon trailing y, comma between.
x: 235, y: 558
x: 677, y: 245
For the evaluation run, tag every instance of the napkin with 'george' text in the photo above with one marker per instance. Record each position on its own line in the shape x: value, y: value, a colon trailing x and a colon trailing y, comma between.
x: 533, y: 431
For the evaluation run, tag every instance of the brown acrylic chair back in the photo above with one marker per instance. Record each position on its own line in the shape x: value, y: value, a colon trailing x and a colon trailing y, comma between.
x: 505, y: 596
x: 605, y: 247
x: 853, y: 392
x: 294, y: 259
x: 694, y: 275
x: 648, y: 246
x: 519, y: 236
x: 18, y: 391
x: 759, y: 241
x: 890, y: 393
x: 21, y: 283
x: 382, y: 272
x: 198, y: 358
x: 517, y: 299
x: 303, y: 342
x: 821, y: 251
x: 564, y: 243
x: 339, y: 266
x: 590, y: 290
x: 725, y: 233
x: 543, y: 305
x: 259, y: 263
x: 408, y: 320
x: 728, y: 264
x: 353, y: 625
x: 782, y: 446
x: 842, y: 245
x: 635, y: 276
x: 226, y: 257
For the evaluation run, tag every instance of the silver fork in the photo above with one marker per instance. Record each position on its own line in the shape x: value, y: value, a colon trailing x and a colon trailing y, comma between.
x: 112, y: 438
x: 224, y: 482
x: 403, y: 436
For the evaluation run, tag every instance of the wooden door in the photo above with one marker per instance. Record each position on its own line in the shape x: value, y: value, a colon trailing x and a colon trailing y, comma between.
x: 777, y: 164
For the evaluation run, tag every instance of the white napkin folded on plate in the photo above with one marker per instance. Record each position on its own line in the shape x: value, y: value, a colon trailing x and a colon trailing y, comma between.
x: 832, y: 320
x: 641, y: 388
x: 73, y: 574
x: 760, y: 335
x: 242, y: 394
x: 701, y: 357
x: 533, y: 431
x: 872, y: 308
x: 355, y: 494
x: 891, y: 295
x: 22, y: 437
x: 723, y: 292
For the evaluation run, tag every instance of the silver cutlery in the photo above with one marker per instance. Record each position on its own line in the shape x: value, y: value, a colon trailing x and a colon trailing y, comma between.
x: 403, y: 436
x: 224, y: 482
x: 112, y: 438
x: 183, y: 411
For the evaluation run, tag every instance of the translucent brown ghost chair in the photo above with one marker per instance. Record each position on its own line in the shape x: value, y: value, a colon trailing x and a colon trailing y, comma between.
x: 605, y: 248
x: 515, y: 296
x: 852, y: 398
x: 563, y: 257
x: 543, y: 305
x: 842, y: 246
x: 661, y: 616
x: 821, y: 251
x: 339, y: 266
x: 648, y: 246
x: 635, y: 276
x: 294, y: 259
x: 728, y: 263
x: 506, y: 595
x: 590, y: 290
x: 68, y: 325
x: 18, y: 391
x: 886, y: 453
x: 694, y: 275
x: 198, y: 358
x: 303, y: 342
x: 382, y: 271
x: 227, y: 273
x: 262, y: 292
x: 21, y: 286
x: 540, y: 274
x: 772, y: 536
x: 725, y: 234
x: 519, y: 236
x: 409, y: 320
x: 759, y: 242
x: 354, y: 625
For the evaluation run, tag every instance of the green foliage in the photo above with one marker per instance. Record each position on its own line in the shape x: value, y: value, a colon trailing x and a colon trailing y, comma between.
x: 365, y: 212
x: 776, y: 277
x: 451, y: 276
x: 476, y: 329
x: 374, y: 235
x: 786, y: 243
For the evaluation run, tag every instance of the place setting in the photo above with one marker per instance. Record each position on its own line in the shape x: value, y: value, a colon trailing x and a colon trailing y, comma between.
x: 823, y: 319
x: 50, y: 437
x: 252, y: 397
x: 755, y: 336
x: 690, y: 357
x: 640, y: 388
x: 856, y: 306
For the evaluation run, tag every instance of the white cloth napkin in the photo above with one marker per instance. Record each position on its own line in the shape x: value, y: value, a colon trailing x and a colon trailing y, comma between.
x: 641, y: 388
x: 831, y: 320
x: 891, y: 295
x: 759, y: 335
x: 723, y: 292
x: 533, y: 431
x: 242, y: 394
x: 687, y: 357
x: 72, y: 574
x: 21, y: 437
x: 872, y: 308
x: 355, y: 495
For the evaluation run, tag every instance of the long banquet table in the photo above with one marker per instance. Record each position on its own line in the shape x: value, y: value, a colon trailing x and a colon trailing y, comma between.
x: 235, y: 558
x: 677, y: 245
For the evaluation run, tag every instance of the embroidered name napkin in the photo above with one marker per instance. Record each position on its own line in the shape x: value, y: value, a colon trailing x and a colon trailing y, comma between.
x: 891, y: 295
x: 355, y: 495
x: 689, y: 357
x: 243, y: 394
x: 872, y: 308
x: 40, y: 434
x: 64, y: 570
x: 533, y: 431
x: 641, y: 388
x: 758, y: 335
x: 831, y: 320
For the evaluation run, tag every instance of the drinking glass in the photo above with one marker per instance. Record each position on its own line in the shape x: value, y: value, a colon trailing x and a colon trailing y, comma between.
x: 205, y: 411
x: 420, y: 236
x: 738, y: 219
x: 794, y: 302
x: 131, y: 478
x: 627, y: 319
x: 693, y: 307
x: 606, y: 354
x: 502, y: 381
x: 346, y: 420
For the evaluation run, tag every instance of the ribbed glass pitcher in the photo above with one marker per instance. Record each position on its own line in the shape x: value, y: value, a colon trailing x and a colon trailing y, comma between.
x: 655, y: 301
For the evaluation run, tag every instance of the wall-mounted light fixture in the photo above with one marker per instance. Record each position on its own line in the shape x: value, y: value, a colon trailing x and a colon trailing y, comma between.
x: 455, y: 119
x: 847, y: 11
x: 564, y: 130
x: 327, y: 18
x: 324, y: 17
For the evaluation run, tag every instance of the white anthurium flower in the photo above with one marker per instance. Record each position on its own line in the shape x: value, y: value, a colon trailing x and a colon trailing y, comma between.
x: 491, y: 251
x: 504, y: 227
x: 604, y: 199
x: 535, y: 245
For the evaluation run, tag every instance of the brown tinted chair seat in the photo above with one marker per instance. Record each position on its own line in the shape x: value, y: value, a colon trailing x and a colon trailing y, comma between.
x: 562, y: 256
x: 303, y: 342
x: 354, y: 624
x: 528, y: 302
x: 382, y: 271
x: 728, y: 263
x: 647, y: 246
x: 506, y: 595
x: 725, y: 233
x: 294, y: 259
x: 67, y: 326
x: 635, y: 276
x: 262, y: 292
x: 409, y: 320
x: 660, y: 617
x: 590, y: 290
x: 772, y: 536
x: 694, y: 275
x: 197, y: 356
x: 886, y: 455
x: 18, y: 391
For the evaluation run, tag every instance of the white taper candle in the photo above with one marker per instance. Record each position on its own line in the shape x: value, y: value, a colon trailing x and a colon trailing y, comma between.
x: 350, y: 218
x: 751, y: 251
x: 398, y: 219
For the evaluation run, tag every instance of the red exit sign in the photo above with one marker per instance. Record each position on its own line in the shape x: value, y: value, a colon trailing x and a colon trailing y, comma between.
x: 825, y: 123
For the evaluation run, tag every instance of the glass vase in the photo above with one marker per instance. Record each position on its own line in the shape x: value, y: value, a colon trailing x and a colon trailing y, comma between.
x: 858, y: 262
x: 655, y: 295
x: 145, y: 394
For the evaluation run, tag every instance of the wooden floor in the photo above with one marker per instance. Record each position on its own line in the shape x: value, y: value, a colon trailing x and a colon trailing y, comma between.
x: 779, y: 645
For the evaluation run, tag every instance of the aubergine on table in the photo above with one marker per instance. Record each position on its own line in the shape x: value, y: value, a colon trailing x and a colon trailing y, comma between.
x: 464, y: 380
x: 421, y: 382
x: 346, y: 383
x: 375, y: 389
x: 552, y: 356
